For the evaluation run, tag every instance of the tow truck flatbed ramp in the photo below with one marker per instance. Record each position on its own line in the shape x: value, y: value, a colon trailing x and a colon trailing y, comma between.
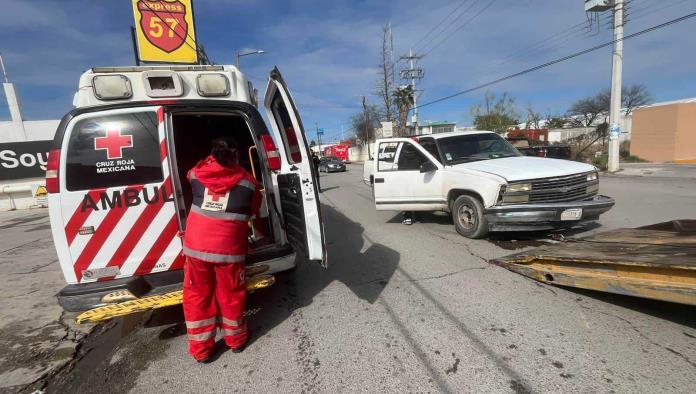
x: 149, y: 303
x: 656, y: 261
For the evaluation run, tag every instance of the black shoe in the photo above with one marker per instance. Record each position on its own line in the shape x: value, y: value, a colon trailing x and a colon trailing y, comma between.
x: 205, y: 360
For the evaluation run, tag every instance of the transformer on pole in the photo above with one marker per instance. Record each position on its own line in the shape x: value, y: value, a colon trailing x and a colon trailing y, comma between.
x: 413, y: 73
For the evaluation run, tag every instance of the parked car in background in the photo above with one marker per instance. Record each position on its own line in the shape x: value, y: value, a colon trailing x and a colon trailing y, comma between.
x: 331, y: 164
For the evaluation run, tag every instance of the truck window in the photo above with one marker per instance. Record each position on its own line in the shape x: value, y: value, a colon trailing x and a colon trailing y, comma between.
x: 386, y: 155
x: 287, y: 131
x: 113, y: 150
x: 429, y: 145
x: 410, y: 158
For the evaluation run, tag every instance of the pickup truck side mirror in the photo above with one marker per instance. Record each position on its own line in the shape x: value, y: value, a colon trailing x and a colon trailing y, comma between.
x: 428, y: 166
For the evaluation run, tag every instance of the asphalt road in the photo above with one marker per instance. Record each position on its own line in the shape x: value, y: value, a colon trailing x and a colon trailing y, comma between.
x: 419, y: 309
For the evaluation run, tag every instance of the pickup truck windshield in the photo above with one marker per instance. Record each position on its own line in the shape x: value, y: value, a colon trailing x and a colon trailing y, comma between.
x: 475, y: 147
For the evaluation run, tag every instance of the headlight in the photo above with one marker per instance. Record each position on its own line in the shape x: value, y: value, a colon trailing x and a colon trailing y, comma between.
x: 592, y: 177
x: 516, y: 199
x: 592, y: 188
x: 519, y: 187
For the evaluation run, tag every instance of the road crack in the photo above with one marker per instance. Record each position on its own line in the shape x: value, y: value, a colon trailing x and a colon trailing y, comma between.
x: 641, y: 334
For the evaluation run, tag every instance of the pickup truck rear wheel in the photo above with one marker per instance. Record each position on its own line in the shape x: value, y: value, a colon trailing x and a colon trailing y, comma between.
x: 468, y: 218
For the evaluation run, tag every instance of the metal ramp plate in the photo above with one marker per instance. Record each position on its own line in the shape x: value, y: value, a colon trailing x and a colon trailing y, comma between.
x: 155, y: 302
x: 657, y: 261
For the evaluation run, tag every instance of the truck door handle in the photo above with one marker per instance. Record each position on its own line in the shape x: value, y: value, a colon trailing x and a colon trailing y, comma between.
x: 379, y: 180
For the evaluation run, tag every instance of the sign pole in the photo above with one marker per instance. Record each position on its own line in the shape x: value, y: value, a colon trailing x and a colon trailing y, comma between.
x: 135, y: 46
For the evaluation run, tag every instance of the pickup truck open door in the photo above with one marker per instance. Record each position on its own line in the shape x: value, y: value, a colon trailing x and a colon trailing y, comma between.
x: 299, y: 197
x: 406, y: 177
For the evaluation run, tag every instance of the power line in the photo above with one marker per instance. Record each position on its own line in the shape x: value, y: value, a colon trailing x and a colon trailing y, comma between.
x: 440, y: 23
x: 563, y: 37
x: 490, y: 3
x: 451, y: 23
x: 537, y: 45
x: 562, y: 59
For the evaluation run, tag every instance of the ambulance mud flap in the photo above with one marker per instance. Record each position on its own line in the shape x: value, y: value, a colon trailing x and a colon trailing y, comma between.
x: 656, y: 262
x: 158, y: 301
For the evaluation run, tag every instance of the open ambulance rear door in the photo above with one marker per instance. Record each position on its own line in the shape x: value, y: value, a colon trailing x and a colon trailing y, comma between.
x: 299, y: 197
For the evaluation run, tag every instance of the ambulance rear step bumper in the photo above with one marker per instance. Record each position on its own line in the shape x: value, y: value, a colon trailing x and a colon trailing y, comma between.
x: 81, y: 297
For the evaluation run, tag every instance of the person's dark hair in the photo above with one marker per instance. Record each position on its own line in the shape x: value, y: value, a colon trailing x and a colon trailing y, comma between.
x: 225, y: 151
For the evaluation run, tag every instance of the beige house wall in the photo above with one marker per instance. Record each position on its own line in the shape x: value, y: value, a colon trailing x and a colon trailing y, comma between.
x: 685, y: 141
x: 664, y: 133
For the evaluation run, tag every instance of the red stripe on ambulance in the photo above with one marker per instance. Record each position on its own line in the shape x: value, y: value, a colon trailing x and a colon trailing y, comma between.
x: 163, y: 149
x: 101, y: 234
x: 78, y: 218
x: 138, y: 230
x: 157, y: 250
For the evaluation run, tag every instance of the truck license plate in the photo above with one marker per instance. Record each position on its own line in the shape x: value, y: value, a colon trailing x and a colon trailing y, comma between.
x: 571, y: 214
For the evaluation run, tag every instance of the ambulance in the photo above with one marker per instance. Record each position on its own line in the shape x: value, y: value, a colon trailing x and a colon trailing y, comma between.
x: 116, y: 177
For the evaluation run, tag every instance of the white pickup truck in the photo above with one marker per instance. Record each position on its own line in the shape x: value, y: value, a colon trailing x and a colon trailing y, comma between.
x: 484, y: 182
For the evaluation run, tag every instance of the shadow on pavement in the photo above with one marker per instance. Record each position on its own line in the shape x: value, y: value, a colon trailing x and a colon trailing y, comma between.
x: 365, y: 268
x: 676, y: 313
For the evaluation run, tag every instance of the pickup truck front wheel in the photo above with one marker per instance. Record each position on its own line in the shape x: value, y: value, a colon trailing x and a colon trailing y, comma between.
x: 467, y: 214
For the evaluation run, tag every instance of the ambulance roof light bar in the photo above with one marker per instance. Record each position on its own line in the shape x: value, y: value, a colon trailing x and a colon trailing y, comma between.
x: 126, y: 69
x: 112, y: 87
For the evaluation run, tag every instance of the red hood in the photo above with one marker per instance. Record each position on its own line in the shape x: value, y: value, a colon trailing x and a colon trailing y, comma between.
x: 217, y: 178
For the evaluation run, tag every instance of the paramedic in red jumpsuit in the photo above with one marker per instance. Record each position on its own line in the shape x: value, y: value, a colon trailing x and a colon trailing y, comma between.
x: 225, y: 196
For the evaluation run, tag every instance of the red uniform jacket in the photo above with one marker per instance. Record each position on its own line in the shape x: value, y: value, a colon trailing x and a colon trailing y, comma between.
x: 224, y: 199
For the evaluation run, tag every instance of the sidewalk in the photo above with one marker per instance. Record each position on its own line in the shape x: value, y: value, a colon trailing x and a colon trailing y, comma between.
x: 36, y: 337
x: 686, y: 171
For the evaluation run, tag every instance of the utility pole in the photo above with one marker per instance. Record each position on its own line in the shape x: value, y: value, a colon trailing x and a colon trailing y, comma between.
x: 368, y: 124
x: 616, y: 70
x: 413, y: 73
x: 316, y: 125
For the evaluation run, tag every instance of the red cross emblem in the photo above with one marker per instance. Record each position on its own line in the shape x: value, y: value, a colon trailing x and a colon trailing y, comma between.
x: 215, y: 196
x: 113, y: 143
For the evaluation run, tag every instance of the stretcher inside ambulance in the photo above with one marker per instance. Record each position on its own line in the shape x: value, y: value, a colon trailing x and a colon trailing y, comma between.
x: 118, y: 193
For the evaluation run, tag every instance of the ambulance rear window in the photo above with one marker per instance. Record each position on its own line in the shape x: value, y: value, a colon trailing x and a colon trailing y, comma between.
x: 114, y: 150
x: 287, y: 131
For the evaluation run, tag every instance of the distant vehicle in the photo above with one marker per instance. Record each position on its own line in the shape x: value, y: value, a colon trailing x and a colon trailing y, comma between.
x: 339, y: 151
x: 551, y: 151
x: 484, y: 182
x: 331, y: 164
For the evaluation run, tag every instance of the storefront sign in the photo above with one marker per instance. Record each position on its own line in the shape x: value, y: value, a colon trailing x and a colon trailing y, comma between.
x: 19, y: 160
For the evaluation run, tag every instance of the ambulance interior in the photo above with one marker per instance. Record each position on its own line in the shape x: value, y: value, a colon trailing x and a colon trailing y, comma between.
x: 193, y: 135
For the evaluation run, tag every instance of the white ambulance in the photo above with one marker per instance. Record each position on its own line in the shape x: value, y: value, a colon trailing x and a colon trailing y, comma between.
x: 116, y: 177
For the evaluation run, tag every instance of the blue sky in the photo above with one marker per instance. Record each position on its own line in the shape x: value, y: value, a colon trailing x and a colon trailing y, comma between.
x: 328, y: 50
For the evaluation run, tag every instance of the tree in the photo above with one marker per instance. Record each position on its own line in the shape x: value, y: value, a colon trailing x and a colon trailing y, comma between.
x: 495, y: 114
x: 385, y: 84
x: 585, y: 112
x: 555, y: 122
x: 635, y: 96
x: 403, y: 98
x: 533, y: 118
x: 365, y: 122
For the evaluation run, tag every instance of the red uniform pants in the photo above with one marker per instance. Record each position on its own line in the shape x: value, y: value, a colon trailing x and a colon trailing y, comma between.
x: 214, y: 296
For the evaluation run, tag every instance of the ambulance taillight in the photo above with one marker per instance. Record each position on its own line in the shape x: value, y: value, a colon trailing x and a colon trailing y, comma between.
x: 52, y: 166
x: 271, y: 152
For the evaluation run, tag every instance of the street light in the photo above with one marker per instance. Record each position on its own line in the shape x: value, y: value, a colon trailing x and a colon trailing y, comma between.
x: 240, y: 54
